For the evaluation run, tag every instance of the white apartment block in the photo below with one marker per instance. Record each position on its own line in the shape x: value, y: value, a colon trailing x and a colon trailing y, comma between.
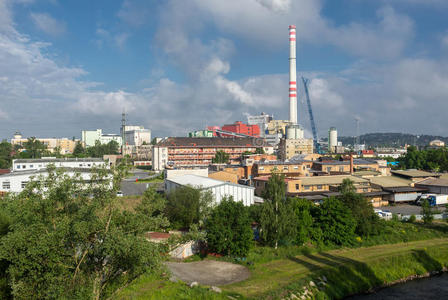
x: 89, y: 137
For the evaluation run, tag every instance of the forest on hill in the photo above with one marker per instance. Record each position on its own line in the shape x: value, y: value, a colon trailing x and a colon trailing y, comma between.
x: 392, y: 139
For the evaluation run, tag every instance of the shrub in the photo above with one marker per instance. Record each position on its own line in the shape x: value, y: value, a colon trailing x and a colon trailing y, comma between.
x: 412, y: 219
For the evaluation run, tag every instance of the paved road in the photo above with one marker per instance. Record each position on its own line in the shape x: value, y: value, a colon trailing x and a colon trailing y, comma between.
x: 208, y: 272
x: 129, y: 186
x: 406, y: 209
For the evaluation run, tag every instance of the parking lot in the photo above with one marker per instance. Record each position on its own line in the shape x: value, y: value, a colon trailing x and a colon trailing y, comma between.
x: 407, y: 209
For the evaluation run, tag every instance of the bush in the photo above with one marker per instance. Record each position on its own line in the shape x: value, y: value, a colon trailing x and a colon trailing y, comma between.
x: 336, y: 222
x: 228, y: 229
x: 412, y: 219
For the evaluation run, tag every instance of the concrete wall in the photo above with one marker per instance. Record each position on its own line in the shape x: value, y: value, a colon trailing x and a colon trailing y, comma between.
x: 170, y: 174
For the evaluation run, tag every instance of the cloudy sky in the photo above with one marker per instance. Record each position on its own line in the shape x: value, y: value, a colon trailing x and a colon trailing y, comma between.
x: 180, y: 65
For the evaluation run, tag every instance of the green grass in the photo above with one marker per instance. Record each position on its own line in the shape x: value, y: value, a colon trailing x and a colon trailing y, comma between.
x: 153, y: 180
x: 404, y: 249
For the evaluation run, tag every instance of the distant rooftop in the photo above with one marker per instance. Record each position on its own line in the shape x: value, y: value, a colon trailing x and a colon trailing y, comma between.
x: 346, y: 162
x: 52, y: 160
x: 390, y: 181
x: 212, y: 142
x: 434, y: 182
x: 412, y: 173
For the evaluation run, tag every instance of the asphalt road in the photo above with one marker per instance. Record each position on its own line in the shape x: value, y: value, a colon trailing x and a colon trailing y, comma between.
x: 406, y: 209
x: 130, y: 187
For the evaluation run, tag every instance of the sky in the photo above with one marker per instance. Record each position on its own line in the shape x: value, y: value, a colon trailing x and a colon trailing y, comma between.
x: 180, y: 65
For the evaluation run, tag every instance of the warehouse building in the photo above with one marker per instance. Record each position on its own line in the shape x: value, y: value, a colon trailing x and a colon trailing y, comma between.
x: 42, y: 163
x: 220, y: 189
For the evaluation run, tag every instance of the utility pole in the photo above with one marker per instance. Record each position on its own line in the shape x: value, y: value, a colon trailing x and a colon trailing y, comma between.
x: 123, y: 134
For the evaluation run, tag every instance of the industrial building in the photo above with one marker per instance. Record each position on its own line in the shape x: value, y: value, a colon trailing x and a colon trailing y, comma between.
x: 42, y: 163
x: 343, y: 166
x: 332, y: 139
x: 240, y: 127
x: 261, y: 121
x: 183, y: 152
x: 288, y: 148
x: 220, y: 189
x: 137, y: 136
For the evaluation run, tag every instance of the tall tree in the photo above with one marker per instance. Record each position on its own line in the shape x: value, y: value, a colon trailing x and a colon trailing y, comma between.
x: 68, y: 239
x: 79, y: 150
x: 5, y: 155
x: 277, y: 219
x: 427, y: 213
x: 221, y: 157
x: 34, y: 147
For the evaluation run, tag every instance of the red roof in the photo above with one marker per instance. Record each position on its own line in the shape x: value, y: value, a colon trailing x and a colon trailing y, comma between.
x: 5, y: 171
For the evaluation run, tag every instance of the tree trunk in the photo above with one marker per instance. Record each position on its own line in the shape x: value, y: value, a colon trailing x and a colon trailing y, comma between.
x: 97, y: 286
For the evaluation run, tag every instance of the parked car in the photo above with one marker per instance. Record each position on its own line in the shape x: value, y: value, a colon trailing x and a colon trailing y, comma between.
x: 119, y: 194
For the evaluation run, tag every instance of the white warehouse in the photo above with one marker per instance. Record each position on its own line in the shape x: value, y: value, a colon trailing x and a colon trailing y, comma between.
x: 37, y: 164
x: 220, y: 189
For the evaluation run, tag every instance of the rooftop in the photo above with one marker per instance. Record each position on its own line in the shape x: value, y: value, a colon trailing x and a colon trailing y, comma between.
x: 53, y: 160
x: 336, y: 179
x: 434, y: 182
x: 212, y: 142
x: 347, y: 162
x: 44, y: 170
x: 390, y: 181
x: 200, y: 181
x: 412, y: 173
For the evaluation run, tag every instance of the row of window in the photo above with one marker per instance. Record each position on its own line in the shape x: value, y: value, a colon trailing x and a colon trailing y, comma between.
x: 6, y: 185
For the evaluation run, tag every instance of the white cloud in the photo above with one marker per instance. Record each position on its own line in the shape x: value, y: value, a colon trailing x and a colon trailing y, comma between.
x: 48, y: 24
x: 134, y: 13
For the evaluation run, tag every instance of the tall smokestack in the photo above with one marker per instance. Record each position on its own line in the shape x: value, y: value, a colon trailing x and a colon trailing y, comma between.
x: 292, y: 75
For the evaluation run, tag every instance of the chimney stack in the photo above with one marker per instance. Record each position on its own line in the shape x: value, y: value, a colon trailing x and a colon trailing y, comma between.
x: 351, y: 163
x: 292, y: 75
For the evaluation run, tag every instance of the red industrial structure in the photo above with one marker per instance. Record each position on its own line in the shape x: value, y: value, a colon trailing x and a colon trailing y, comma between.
x: 238, y: 127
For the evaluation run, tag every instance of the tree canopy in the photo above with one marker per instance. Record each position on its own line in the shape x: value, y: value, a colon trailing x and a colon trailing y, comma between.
x: 221, y: 157
x: 68, y: 239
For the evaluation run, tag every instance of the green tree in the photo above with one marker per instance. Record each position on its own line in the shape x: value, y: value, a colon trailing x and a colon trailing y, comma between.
x: 5, y: 155
x: 277, y: 221
x: 427, y: 213
x: 367, y: 222
x: 67, y: 238
x: 228, y: 229
x: 187, y: 206
x: 336, y: 222
x: 305, y: 228
x: 221, y: 157
x: 34, y: 148
x: 79, y: 150
x: 259, y: 151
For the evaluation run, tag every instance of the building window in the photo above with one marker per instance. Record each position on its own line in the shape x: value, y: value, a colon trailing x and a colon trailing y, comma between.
x: 328, y: 169
x: 341, y: 169
x: 23, y: 166
x: 31, y: 166
x: 6, y: 185
x: 296, y: 167
x: 24, y: 183
x: 18, y: 167
x: 260, y: 168
x: 285, y: 168
x: 319, y: 187
x: 306, y: 187
x: 297, y: 187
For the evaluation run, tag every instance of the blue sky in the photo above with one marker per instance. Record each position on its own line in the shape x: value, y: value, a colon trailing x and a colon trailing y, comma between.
x: 179, y: 65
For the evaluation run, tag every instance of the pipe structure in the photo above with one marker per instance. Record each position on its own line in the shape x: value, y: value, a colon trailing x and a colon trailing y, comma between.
x: 292, y: 75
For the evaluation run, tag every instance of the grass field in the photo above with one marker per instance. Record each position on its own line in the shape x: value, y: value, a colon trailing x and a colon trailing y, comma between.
x: 348, y: 271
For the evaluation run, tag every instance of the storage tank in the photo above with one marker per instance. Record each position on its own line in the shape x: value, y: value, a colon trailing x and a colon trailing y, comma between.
x: 294, y: 132
x: 332, y: 139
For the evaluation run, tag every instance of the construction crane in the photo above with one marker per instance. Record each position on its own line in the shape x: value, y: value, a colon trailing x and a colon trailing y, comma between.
x: 310, y: 111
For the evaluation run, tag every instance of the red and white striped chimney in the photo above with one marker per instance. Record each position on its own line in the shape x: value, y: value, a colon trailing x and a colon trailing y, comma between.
x: 292, y: 75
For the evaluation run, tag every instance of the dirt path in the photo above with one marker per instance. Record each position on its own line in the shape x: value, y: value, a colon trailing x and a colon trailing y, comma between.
x: 208, y: 272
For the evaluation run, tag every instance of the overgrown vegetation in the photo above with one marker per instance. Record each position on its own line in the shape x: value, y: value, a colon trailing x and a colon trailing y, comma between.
x: 430, y: 159
x: 65, y: 238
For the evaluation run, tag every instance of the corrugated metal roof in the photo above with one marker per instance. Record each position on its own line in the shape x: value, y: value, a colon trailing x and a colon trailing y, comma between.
x: 336, y: 179
x: 201, y: 181
x: 434, y: 182
x: 390, y: 181
x: 413, y: 173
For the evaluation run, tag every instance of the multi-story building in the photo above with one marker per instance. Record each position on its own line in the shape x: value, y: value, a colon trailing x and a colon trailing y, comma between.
x: 278, y: 126
x: 64, y: 145
x: 343, y: 166
x: 240, y: 127
x: 89, y: 137
x: 183, y: 152
x: 136, y: 135
x: 289, y: 148
x: 289, y: 169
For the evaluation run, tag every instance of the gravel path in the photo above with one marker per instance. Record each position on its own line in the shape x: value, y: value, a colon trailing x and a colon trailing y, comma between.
x: 208, y: 272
